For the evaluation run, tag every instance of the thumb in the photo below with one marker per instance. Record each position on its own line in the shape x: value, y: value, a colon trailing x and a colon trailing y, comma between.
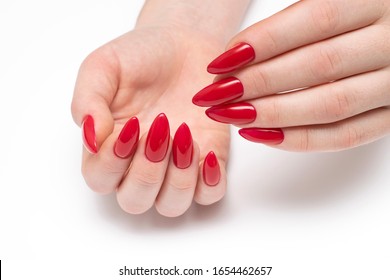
x: 95, y: 89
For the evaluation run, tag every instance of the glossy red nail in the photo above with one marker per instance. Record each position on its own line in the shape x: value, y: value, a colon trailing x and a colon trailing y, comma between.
x: 232, y: 59
x: 211, y: 170
x: 157, y: 141
x: 236, y: 113
x: 269, y: 136
x: 126, y: 143
x: 182, y: 147
x: 219, y: 92
x: 89, y: 136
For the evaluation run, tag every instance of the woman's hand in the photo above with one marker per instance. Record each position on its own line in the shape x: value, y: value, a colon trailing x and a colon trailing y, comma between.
x: 143, y: 73
x: 313, y: 77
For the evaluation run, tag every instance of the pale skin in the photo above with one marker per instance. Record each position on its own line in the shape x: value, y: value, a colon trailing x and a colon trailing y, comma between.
x: 156, y: 68
x: 339, y: 51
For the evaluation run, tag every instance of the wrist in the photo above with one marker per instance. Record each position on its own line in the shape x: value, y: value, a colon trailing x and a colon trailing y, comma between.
x: 217, y: 19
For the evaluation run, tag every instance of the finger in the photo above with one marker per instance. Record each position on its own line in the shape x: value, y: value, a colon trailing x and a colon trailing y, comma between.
x: 104, y: 171
x: 138, y: 190
x: 323, y: 104
x: 303, y: 23
x: 95, y: 89
x: 349, y: 133
x: 320, y: 63
x: 212, y: 182
x: 177, y: 192
x: 326, y: 61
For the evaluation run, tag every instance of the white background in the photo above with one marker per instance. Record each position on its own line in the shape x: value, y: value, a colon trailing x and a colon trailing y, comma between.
x: 310, y: 216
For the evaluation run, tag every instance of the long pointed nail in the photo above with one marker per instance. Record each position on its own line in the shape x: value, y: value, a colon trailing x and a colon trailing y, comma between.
x: 182, y: 147
x: 268, y: 136
x: 236, y: 113
x: 232, y: 59
x: 219, y: 92
x: 211, y: 170
x: 89, y: 135
x: 157, y: 141
x: 126, y: 143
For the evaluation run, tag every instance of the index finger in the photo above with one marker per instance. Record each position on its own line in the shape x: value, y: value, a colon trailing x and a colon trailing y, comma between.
x: 300, y: 24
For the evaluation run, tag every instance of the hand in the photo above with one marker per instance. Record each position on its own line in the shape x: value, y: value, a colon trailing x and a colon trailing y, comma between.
x: 313, y: 77
x: 144, y: 73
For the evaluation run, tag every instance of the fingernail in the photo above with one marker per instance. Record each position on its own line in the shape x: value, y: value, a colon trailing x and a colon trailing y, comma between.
x: 157, y: 141
x: 236, y: 113
x: 182, y: 147
x: 219, y: 92
x: 126, y: 143
x: 269, y: 136
x: 232, y: 59
x: 211, y: 170
x: 89, y: 136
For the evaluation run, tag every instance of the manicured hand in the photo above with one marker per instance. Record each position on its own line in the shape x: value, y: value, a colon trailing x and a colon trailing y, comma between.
x: 170, y: 153
x: 313, y: 77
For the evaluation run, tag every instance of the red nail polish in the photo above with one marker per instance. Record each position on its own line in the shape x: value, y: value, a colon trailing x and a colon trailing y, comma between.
x: 182, y: 147
x: 89, y: 136
x: 211, y: 170
x: 157, y: 141
x: 232, y: 59
x: 236, y: 113
x: 269, y: 136
x: 127, y: 140
x: 219, y: 92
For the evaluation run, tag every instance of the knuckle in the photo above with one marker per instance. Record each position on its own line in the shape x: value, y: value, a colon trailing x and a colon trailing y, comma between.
x: 270, y: 112
x: 147, y: 178
x: 271, y: 41
x: 304, y: 140
x: 260, y: 81
x: 349, y: 137
x: 326, y: 16
x: 337, y: 105
x: 182, y: 185
x: 326, y: 65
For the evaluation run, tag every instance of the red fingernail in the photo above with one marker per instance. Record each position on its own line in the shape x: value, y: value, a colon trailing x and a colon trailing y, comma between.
x: 211, y: 170
x: 182, y: 147
x: 89, y: 136
x: 157, y: 141
x: 269, y: 136
x: 127, y: 140
x: 219, y: 92
x: 232, y: 59
x: 236, y: 113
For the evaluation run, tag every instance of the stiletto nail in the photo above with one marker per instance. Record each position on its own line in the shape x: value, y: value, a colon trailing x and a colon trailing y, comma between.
x: 182, y: 147
x: 269, y: 136
x: 211, y: 170
x: 126, y: 143
x: 157, y: 141
x: 89, y: 135
x: 219, y: 92
x: 232, y: 59
x: 236, y: 113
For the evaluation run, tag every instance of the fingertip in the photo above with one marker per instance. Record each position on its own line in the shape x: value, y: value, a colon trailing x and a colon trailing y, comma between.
x: 89, y: 135
x: 211, y: 170
x: 212, y: 182
x: 235, y: 57
x: 127, y: 141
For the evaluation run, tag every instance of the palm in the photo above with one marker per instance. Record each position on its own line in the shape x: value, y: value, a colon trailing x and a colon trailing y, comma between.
x: 153, y: 76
